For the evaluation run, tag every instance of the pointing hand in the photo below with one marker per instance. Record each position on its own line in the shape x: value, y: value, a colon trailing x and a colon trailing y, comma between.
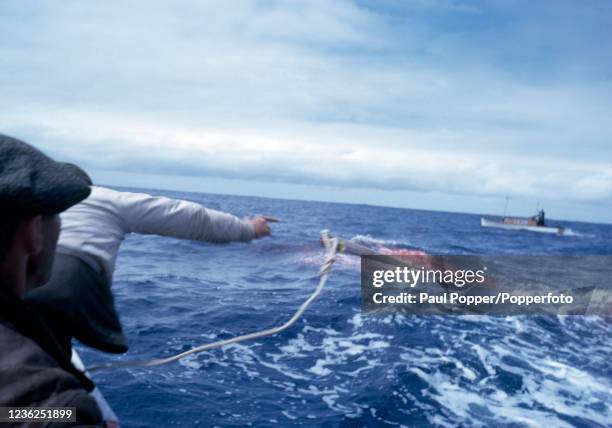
x: 260, y: 225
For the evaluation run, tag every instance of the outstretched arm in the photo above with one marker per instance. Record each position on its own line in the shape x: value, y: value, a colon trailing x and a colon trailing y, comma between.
x: 148, y: 214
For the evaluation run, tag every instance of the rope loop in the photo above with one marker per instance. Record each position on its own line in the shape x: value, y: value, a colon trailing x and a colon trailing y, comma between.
x: 331, y: 249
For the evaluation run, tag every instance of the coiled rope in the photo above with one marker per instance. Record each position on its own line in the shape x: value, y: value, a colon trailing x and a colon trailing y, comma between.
x: 331, y: 249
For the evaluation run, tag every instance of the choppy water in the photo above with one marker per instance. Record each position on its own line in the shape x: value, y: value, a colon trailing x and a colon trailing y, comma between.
x: 335, y: 367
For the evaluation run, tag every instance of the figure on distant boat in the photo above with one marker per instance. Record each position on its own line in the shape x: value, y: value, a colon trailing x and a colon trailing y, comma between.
x: 539, y: 218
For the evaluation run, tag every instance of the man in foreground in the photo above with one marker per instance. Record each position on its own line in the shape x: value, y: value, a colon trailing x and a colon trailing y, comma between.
x: 78, y: 301
x: 34, y: 369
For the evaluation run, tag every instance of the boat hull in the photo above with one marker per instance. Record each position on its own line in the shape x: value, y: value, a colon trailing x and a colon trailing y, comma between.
x: 107, y: 412
x: 489, y: 222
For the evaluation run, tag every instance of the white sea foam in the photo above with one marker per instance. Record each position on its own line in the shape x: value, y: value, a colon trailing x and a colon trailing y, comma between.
x: 491, y: 372
x: 570, y: 232
x: 545, y: 389
x: 369, y: 240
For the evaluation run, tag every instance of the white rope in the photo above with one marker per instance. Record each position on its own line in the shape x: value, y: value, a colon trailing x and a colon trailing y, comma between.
x: 331, y: 248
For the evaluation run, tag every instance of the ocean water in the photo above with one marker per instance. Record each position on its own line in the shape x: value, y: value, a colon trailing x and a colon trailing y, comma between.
x: 337, y: 367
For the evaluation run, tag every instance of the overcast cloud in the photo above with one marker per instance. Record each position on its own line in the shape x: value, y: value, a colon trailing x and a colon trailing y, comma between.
x: 481, y: 99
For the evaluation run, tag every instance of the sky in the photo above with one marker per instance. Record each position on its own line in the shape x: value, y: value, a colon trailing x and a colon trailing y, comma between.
x: 431, y: 104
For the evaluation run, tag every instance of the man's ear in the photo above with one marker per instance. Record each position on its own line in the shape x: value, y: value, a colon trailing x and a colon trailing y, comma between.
x: 31, y: 231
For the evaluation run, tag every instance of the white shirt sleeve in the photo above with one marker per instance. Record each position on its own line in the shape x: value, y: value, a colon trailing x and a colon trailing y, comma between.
x: 146, y: 214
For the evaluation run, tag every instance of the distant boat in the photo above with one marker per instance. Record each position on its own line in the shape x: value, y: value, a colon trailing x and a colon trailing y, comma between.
x: 516, y: 223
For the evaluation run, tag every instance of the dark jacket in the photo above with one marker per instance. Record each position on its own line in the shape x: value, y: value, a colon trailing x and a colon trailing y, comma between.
x: 35, y: 371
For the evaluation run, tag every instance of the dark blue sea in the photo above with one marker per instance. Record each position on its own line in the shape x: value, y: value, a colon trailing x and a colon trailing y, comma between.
x: 337, y: 367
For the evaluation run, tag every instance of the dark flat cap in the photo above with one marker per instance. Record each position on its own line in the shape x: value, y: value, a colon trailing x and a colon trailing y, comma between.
x: 31, y: 183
